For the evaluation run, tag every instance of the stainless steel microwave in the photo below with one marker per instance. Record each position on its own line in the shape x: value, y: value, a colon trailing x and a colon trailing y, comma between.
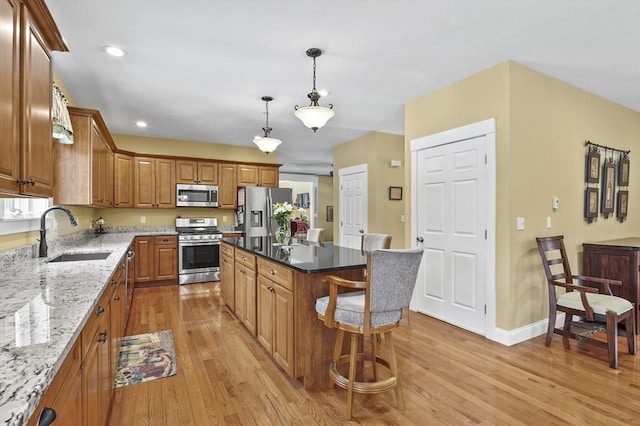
x: 196, y: 195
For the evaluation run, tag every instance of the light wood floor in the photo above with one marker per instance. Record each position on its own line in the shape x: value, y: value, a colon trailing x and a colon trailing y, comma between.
x: 450, y: 376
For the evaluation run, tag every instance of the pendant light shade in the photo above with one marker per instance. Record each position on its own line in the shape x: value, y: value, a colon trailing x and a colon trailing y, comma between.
x: 314, y: 116
x: 266, y: 143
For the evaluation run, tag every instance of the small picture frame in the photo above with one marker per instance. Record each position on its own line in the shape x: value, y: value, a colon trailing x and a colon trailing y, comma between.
x: 329, y: 213
x: 593, y: 167
x: 623, y: 175
x: 608, y: 188
x: 623, y: 205
x: 395, y: 193
x: 591, y: 204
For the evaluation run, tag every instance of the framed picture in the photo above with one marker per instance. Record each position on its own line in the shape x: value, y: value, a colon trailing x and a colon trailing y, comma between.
x: 623, y: 203
x: 608, y: 187
x: 593, y: 167
x: 623, y: 175
x: 395, y: 193
x: 591, y: 204
x: 329, y: 213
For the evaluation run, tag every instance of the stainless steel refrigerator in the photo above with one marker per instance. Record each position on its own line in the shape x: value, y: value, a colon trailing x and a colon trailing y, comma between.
x: 255, y: 208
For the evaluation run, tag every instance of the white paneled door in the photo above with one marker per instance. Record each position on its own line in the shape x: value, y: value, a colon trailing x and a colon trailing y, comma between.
x: 353, y: 205
x: 451, y: 224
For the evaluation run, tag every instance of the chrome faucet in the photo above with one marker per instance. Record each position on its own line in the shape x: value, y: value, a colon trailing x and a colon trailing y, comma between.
x: 43, y: 230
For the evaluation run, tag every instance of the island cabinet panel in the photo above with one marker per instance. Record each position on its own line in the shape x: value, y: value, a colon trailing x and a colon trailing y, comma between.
x: 227, y: 271
x: 245, y: 289
x: 617, y: 260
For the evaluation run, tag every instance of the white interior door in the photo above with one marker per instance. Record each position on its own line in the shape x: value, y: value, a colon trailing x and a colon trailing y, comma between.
x: 450, y: 222
x: 353, y: 205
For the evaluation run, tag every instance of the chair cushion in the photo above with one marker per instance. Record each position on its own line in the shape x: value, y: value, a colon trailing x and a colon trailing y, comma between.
x: 350, y: 310
x: 601, y: 303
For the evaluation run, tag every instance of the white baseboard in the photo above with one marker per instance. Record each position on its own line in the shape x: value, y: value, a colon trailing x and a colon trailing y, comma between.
x: 529, y: 331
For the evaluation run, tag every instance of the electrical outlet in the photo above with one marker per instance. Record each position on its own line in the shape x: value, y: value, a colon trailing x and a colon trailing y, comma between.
x: 143, y: 219
x: 548, y: 222
x: 520, y: 224
x: 224, y: 219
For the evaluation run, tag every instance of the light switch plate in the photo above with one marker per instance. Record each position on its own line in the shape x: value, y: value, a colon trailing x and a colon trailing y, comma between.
x: 548, y: 222
x: 520, y: 223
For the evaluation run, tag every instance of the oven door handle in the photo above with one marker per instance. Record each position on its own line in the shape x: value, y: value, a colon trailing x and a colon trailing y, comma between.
x: 198, y: 243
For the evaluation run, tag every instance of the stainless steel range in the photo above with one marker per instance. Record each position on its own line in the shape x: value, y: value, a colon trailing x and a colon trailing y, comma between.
x: 198, y: 250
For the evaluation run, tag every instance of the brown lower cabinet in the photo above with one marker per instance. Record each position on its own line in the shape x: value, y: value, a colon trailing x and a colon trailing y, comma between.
x: 245, y: 288
x: 227, y: 271
x: 81, y: 391
x: 156, y: 259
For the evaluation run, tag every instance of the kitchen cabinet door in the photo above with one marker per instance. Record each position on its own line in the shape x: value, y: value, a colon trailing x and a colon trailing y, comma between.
x: 10, y: 95
x: 265, y: 313
x: 123, y: 181
x: 268, y: 176
x: 247, y: 175
x: 227, y: 188
x: 227, y: 271
x: 165, y: 180
x: 145, y: 182
x: 145, y: 259
x: 283, y: 327
x: 186, y: 171
x: 166, y: 258
x: 207, y: 173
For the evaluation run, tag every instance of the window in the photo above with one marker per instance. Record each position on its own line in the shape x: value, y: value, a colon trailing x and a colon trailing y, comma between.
x: 21, y: 214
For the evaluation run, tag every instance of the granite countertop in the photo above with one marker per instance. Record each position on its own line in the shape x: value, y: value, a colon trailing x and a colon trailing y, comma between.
x: 303, y: 256
x: 43, y: 308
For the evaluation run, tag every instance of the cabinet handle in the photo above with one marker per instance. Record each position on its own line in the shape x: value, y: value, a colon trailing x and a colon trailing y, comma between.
x: 117, y: 298
x: 31, y: 181
x: 242, y: 271
x: 244, y: 258
x: 99, y: 310
x: 103, y: 336
x: 113, y: 282
x: 47, y: 416
x: 272, y: 272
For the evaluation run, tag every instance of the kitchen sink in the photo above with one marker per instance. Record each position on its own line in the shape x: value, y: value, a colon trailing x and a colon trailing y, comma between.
x: 73, y: 257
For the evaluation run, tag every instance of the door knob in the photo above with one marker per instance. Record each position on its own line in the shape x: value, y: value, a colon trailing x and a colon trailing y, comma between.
x: 361, y: 231
x: 420, y: 240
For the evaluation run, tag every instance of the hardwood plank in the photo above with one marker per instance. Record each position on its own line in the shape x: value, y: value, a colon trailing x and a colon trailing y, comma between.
x: 450, y: 376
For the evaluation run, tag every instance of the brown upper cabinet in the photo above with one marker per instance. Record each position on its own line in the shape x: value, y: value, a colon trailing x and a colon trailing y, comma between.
x: 89, y: 156
x: 123, y: 181
x: 154, y: 182
x: 28, y: 37
x: 227, y: 187
x: 251, y: 175
x: 197, y: 172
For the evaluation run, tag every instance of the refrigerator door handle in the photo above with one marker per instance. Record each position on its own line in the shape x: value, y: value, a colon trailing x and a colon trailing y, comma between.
x: 269, y: 213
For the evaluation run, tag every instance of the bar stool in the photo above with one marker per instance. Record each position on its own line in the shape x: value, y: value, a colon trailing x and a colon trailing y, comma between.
x: 375, y: 309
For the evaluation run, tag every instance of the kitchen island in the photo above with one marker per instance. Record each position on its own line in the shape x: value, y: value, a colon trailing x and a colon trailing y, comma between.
x: 282, y: 288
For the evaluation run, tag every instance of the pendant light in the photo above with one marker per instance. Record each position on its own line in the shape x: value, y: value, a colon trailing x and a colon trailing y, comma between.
x: 314, y: 116
x: 266, y: 143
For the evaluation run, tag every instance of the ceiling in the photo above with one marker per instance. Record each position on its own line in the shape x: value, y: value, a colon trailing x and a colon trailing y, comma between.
x: 196, y: 69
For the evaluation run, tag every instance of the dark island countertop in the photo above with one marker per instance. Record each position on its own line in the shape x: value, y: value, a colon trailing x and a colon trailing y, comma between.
x: 303, y: 256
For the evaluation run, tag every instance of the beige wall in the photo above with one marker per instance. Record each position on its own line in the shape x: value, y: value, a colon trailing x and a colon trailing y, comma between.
x: 325, y: 198
x: 376, y: 150
x: 542, y: 124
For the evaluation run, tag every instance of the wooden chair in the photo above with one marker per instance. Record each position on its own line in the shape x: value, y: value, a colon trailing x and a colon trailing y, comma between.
x: 315, y: 235
x: 583, y: 301
x: 375, y: 309
x: 375, y: 241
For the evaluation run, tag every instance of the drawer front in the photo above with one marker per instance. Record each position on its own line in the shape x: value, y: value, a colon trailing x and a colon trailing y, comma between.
x: 246, y: 258
x: 276, y: 273
x: 226, y: 249
x: 91, y: 327
x: 166, y: 240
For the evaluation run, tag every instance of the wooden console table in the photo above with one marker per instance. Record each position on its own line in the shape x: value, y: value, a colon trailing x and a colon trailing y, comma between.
x: 619, y: 260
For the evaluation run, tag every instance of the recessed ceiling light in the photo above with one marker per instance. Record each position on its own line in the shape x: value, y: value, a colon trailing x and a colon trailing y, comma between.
x: 141, y: 124
x: 114, y: 51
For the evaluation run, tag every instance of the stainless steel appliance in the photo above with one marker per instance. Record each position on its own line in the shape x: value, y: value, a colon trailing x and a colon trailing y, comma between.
x: 198, y: 250
x: 255, y: 208
x: 196, y: 195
